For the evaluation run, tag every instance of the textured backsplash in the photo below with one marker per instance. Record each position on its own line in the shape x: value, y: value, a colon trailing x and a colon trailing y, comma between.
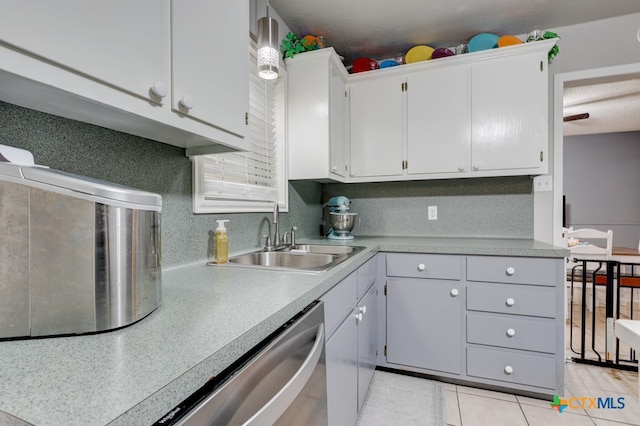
x: 101, y: 153
x: 484, y: 207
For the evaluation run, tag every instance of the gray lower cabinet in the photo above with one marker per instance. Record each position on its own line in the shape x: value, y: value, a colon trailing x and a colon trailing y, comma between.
x: 351, y: 344
x: 425, y: 311
x: 492, y: 321
x: 515, y: 322
x: 425, y: 323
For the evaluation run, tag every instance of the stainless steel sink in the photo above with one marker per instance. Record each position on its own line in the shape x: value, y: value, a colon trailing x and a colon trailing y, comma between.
x: 327, y: 249
x: 307, y: 257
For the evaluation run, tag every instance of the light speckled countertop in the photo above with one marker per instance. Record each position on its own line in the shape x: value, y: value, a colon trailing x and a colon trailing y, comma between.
x: 209, y: 316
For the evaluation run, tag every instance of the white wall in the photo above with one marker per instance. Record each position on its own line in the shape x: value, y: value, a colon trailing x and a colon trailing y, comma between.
x: 598, y: 44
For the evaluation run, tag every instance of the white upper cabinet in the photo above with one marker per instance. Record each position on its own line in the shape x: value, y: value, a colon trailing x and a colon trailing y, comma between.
x: 317, y: 116
x: 95, y: 39
x: 110, y: 64
x: 509, y: 104
x: 377, y: 127
x: 207, y: 36
x: 475, y: 115
x: 439, y: 120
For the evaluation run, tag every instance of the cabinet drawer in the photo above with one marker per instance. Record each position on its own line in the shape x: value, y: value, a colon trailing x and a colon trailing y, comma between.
x: 515, y: 270
x: 367, y: 275
x: 512, y: 332
x: 438, y: 266
x: 512, y: 367
x: 339, y: 302
x: 512, y: 299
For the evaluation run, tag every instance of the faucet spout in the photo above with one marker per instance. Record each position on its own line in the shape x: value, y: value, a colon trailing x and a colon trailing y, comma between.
x: 276, y: 222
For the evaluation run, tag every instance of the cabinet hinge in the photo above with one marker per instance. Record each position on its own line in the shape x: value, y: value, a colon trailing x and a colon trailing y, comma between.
x: 246, y: 118
x: 541, y: 156
x: 541, y: 66
x: 385, y: 350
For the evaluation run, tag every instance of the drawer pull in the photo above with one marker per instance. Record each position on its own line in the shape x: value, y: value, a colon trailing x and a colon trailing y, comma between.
x: 358, y: 316
x: 511, y: 332
x: 511, y: 270
x: 363, y: 309
x: 454, y: 292
x: 508, y: 369
x: 421, y: 267
x: 510, y: 302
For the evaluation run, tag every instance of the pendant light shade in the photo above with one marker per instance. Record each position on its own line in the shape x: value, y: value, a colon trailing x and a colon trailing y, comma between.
x: 268, y: 53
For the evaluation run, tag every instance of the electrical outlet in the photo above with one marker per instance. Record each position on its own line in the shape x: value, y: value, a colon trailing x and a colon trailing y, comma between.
x: 432, y: 213
x: 542, y: 183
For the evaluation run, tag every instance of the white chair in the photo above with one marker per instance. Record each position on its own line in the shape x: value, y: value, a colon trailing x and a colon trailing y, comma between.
x: 589, y: 243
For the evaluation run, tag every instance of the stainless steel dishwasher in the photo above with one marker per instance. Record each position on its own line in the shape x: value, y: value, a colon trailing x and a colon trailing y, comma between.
x: 282, y: 381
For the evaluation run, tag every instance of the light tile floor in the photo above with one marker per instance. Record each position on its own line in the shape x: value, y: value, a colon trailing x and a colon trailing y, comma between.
x: 467, y: 406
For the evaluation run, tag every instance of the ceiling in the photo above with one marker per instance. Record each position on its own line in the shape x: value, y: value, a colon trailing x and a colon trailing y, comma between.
x: 383, y: 29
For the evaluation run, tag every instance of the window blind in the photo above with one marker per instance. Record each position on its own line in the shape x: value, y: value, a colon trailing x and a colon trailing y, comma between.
x: 247, y: 181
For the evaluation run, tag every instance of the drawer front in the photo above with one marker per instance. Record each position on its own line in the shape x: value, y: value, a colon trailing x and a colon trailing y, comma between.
x: 515, y: 270
x: 512, y: 367
x: 512, y: 332
x: 512, y: 299
x: 339, y: 302
x: 413, y: 265
x: 367, y: 275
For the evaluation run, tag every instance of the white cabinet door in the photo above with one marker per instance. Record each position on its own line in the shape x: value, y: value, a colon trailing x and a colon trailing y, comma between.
x: 367, y: 342
x: 425, y: 324
x: 509, y: 119
x: 210, y: 58
x: 377, y: 127
x: 439, y: 120
x: 316, y: 113
x: 337, y: 124
x: 120, y: 43
x: 342, y: 374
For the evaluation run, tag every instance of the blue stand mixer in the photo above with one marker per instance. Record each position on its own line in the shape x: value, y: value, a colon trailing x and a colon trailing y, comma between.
x: 341, y: 220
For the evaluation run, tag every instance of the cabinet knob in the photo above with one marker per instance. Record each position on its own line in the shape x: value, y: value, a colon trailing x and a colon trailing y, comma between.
x: 461, y: 169
x: 363, y: 309
x: 508, y: 369
x: 186, y: 102
x: 475, y: 168
x: 159, y: 89
x: 358, y: 316
x: 334, y: 169
x: 510, y: 302
x: 511, y: 332
x: 511, y: 270
x: 454, y: 292
x: 421, y: 267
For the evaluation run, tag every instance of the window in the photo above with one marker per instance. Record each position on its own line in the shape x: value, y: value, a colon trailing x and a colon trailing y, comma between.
x: 248, y: 181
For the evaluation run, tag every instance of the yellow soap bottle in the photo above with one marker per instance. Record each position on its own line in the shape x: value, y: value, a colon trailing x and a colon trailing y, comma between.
x: 221, y: 243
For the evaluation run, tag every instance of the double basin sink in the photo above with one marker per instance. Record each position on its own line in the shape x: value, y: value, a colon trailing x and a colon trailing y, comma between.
x: 302, y: 257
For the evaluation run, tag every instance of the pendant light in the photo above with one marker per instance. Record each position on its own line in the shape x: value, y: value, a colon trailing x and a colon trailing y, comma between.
x: 268, y: 53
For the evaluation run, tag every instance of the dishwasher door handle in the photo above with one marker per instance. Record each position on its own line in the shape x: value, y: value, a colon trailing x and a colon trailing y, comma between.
x: 281, y: 401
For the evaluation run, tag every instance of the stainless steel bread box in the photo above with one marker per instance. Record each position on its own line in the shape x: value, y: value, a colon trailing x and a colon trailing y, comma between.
x: 77, y: 255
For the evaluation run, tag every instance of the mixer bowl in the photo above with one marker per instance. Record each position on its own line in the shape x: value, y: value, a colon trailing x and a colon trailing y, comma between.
x: 342, y: 223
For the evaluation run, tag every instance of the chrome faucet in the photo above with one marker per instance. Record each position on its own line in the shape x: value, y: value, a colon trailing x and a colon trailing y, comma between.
x: 278, y: 242
x: 276, y: 220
